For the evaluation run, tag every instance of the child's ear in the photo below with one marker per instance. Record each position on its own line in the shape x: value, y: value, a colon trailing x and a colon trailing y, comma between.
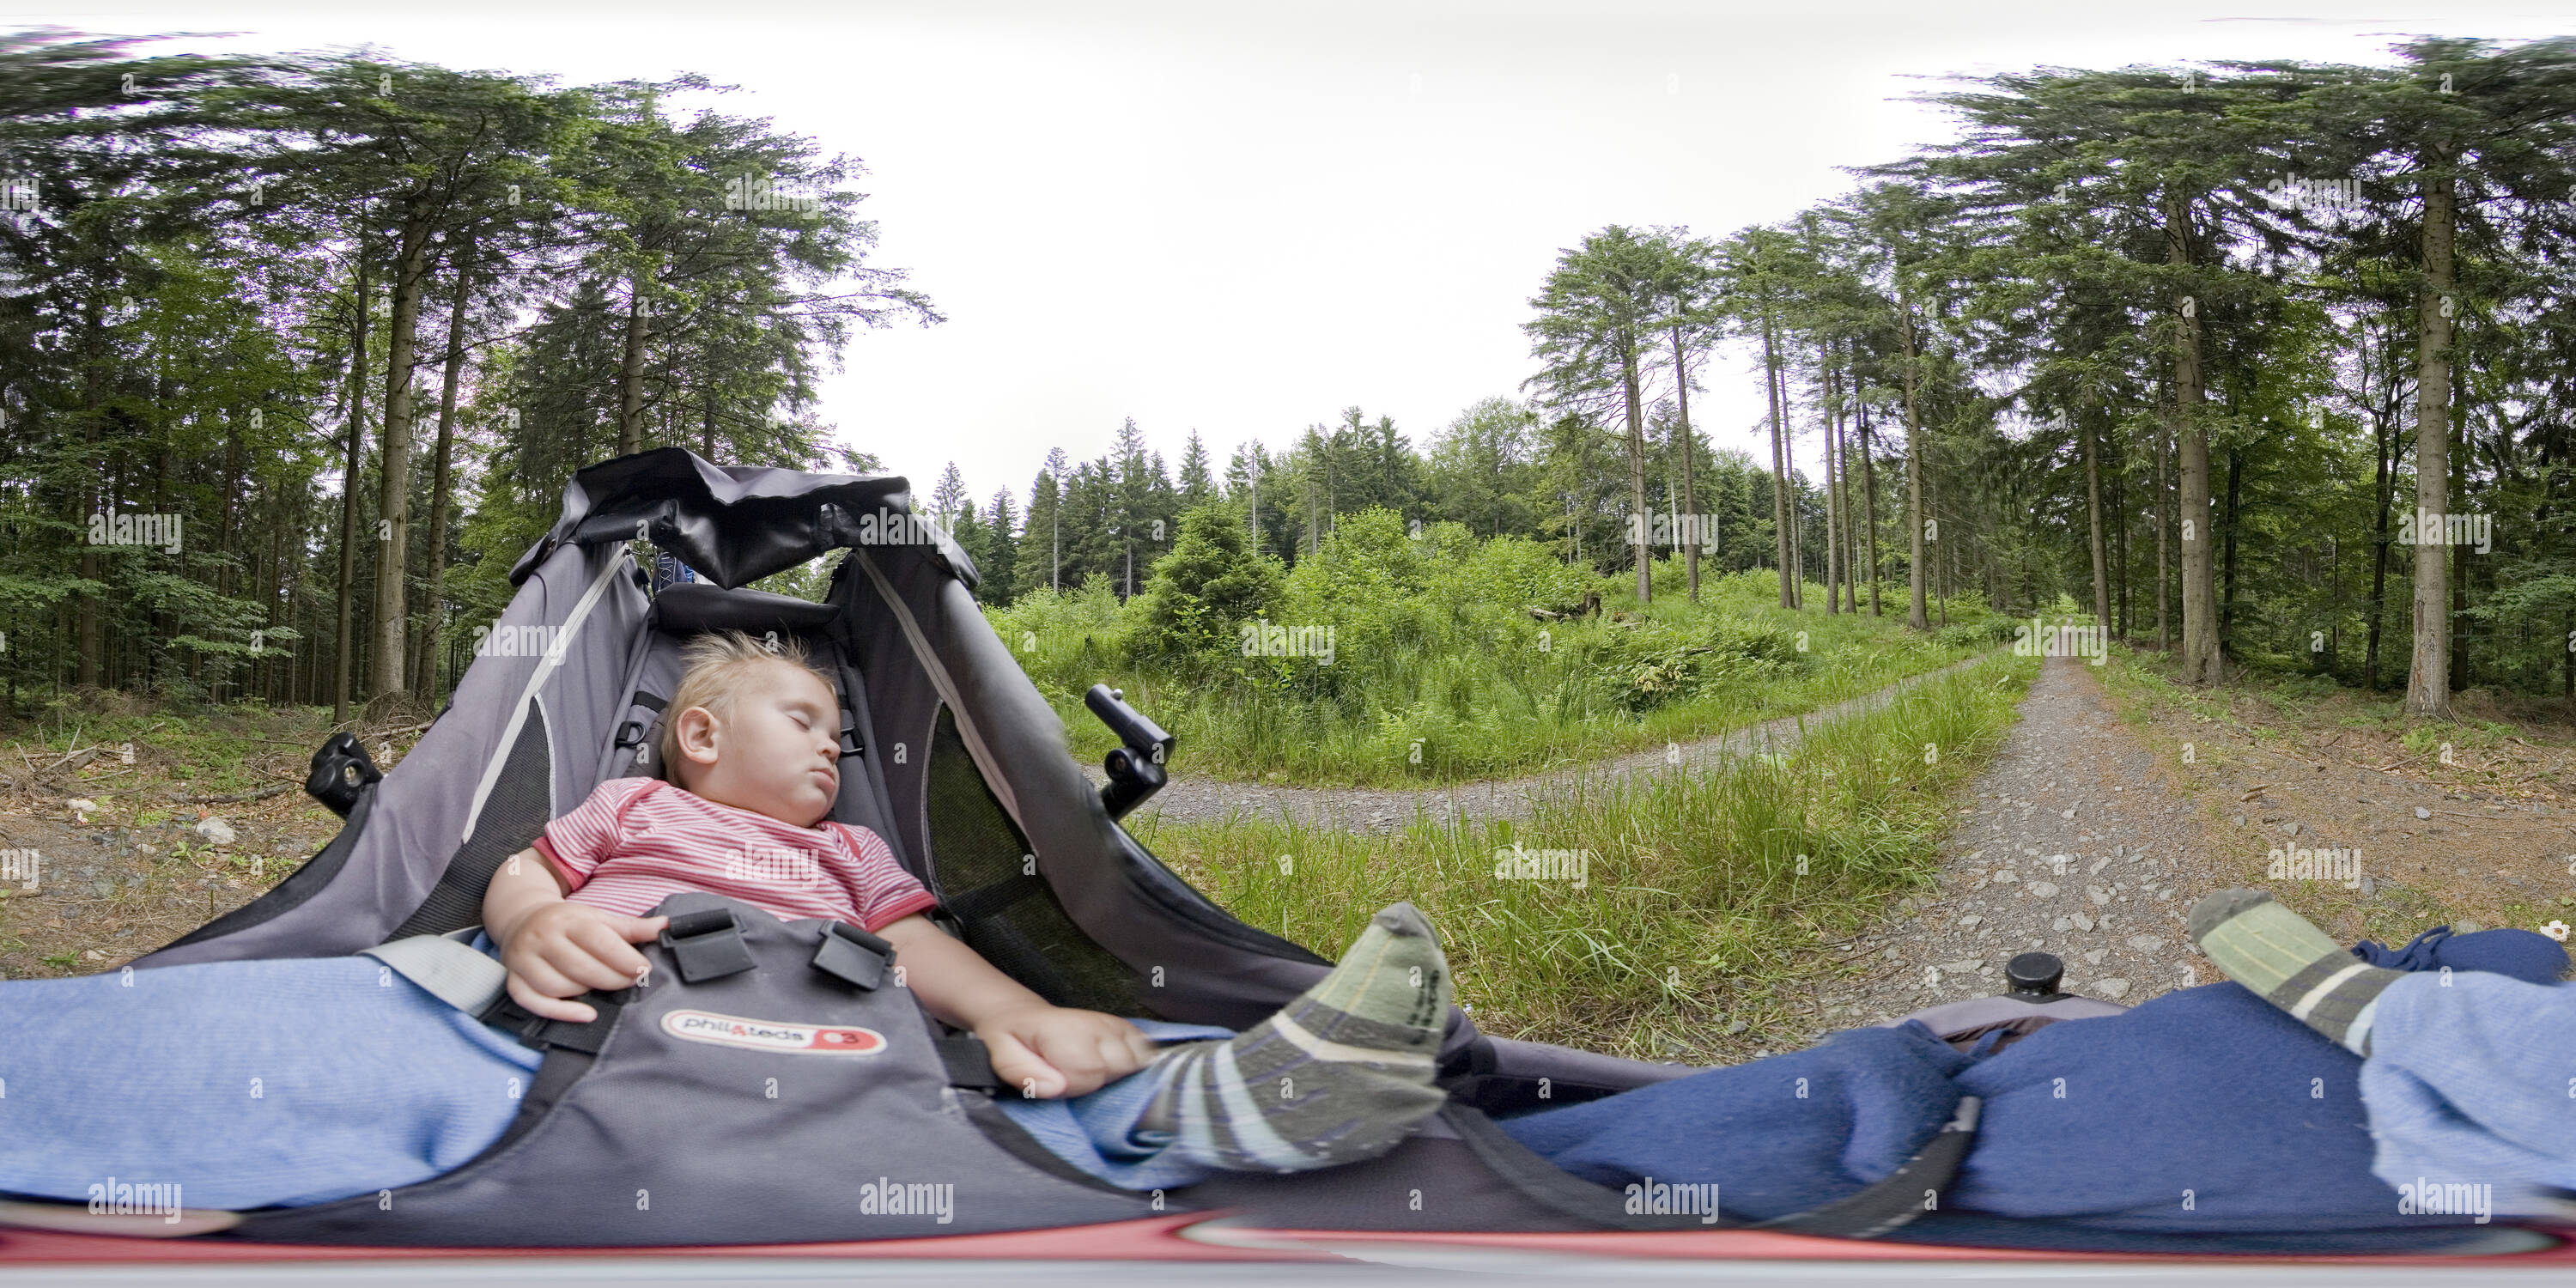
x: 696, y: 729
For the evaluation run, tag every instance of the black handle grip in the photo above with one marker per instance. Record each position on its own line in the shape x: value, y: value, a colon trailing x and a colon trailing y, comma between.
x: 341, y: 770
x: 1136, y: 769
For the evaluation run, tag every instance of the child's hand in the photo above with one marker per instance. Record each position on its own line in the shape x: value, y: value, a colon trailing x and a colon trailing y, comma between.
x: 565, y: 949
x: 1049, y: 1051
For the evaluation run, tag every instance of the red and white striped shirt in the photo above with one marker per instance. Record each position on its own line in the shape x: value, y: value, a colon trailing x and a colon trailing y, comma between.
x: 637, y: 840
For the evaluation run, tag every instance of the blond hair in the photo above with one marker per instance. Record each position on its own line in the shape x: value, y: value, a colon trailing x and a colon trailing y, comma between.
x: 718, y: 667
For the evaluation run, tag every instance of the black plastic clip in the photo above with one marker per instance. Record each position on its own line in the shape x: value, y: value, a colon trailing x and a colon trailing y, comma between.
x: 341, y: 770
x: 707, y: 945
x: 853, y: 956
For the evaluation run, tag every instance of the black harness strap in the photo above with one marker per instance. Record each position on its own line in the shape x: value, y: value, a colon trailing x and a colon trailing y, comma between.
x: 1913, y: 1189
x: 539, y: 1032
x: 969, y: 1063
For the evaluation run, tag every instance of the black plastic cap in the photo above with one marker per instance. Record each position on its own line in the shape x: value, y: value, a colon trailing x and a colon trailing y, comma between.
x: 2034, y: 974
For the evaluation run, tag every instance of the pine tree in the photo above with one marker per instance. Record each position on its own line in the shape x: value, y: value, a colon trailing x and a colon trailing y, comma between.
x: 1196, y: 487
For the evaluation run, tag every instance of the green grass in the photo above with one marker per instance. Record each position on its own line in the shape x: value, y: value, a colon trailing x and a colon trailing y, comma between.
x: 1474, y: 692
x: 1707, y: 900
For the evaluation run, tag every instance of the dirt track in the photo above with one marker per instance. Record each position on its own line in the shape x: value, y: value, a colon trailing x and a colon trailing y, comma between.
x: 1365, y: 809
x: 2077, y: 842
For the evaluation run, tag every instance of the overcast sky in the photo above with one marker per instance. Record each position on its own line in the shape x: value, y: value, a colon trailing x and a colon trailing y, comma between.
x: 1241, y: 219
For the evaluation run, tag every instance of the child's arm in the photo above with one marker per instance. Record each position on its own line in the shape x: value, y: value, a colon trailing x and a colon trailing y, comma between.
x: 556, y: 948
x: 1043, y: 1049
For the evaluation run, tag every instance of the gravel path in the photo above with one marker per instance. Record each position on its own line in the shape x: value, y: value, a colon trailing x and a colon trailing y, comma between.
x: 1366, y: 809
x: 2078, y: 844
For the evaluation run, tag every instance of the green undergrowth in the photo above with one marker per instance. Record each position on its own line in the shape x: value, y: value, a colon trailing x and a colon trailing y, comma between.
x: 1672, y: 916
x: 1427, y: 690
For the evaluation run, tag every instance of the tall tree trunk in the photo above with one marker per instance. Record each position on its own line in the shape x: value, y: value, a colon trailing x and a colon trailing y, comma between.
x: 630, y: 368
x: 2227, y: 603
x: 2459, y: 554
x: 2200, y: 660
x: 1628, y: 377
x: 1833, y: 507
x: 2164, y: 530
x: 1915, y: 617
x: 1869, y: 500
x: 2120, y: 535
x: 346, y: 642
x: 2383, y: 450
x: 2101, y: 575
x: 435, y: 575
x: 1852, y: 519
x: 1789, y: 481
x: 393, y: 529
x: 1690, y: 480
x: 2428, y: 672
x: 93, y: 636
x: 1779, y: 464
x: 1851, y: 515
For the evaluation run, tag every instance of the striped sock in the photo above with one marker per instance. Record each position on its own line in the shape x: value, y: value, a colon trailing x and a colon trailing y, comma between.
x: 1340, y: 1074
x: 2292, y: 964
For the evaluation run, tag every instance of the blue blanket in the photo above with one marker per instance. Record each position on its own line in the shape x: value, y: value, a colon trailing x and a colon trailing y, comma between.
x: 246, y: 1083
x: 2204, y: 1110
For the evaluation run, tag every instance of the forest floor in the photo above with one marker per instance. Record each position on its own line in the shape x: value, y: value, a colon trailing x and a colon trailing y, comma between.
x: 132, y: 871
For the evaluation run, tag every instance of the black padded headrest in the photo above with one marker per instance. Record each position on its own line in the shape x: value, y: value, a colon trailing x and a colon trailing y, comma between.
x: 694, y: 606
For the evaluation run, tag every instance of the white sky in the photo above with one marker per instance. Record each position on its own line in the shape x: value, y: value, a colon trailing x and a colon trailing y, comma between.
x: 1241, y: 219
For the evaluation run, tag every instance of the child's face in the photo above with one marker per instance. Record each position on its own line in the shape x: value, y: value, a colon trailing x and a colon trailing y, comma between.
x: 775, y: 751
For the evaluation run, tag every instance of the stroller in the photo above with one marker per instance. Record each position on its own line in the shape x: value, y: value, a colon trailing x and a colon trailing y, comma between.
x: 636, y: 1139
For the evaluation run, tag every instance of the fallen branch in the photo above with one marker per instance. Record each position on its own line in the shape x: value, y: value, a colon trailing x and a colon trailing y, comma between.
x: 237, y: 798
x: 2409, y: 760
x: 2254, y: 791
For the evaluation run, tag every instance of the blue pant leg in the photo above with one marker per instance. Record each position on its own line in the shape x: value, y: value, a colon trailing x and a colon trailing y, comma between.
x: 1097, y: 1132
x: 1776, y: 1136
x: 2472, y: 1078
x: 246, y: 1083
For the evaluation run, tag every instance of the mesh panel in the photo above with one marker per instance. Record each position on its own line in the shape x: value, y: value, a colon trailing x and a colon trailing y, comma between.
x: 512, y: 816
x: 975, y: 847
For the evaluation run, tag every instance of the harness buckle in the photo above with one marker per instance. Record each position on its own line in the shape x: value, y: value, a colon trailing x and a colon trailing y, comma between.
x: 853, y: 956
x: 707, y: 945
